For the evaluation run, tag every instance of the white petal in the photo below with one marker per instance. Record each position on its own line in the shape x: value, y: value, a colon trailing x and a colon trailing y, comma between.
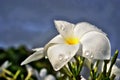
x: 6, y: 64
x: 29, y: 69
x: 46, y: 48
x: 57, y: 39
x: 84, y: 27
x: 43, y: 72
x: 96, y: 46
x: 60, y: 54
x: 64, y: 28
x: 82, y: 78
x: 49, y: 77
x: 35, y: 56
x: 36, y: 49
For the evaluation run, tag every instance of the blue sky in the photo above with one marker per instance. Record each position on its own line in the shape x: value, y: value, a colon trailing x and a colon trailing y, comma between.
x: 30, y: 22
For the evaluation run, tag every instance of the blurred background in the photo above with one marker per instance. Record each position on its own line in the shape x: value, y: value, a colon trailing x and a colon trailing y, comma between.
x: 30, y: 23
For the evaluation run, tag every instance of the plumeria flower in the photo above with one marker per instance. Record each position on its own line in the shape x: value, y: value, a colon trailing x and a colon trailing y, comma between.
x: 3, y: 67
x: 31, y: 71
x: 42, y: 75
x: 6, y: 64
x: 82, y: 39
x: 43, y: 72
x: 49, y: 77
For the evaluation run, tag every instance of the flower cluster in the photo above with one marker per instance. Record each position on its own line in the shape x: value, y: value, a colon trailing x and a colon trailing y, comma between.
x: 42, y: 75
x: 77, y: 46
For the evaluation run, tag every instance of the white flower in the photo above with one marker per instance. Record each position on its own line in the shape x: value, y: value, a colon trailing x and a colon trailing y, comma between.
x: 43, y: 73
x: 44, y: 76
x: 50, y: 77
x: 5, y: 65
x: 82, y: 39
x: 31, y: 71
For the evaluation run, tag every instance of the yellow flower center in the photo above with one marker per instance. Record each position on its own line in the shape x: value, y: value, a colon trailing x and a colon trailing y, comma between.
x: 72, y: 40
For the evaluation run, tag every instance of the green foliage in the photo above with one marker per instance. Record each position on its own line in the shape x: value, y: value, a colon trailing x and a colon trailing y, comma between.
x: 17, y: 72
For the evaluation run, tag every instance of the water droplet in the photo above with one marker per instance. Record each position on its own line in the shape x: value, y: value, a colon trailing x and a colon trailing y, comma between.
x: 62, y: 28
x: 87, y: 52
x: 46, y: 57
x: 67, y: 57
x: 91, y: 56
x: 61, y: 57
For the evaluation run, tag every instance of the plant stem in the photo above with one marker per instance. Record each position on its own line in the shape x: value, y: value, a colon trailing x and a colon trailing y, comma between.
x: 113, y: 62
